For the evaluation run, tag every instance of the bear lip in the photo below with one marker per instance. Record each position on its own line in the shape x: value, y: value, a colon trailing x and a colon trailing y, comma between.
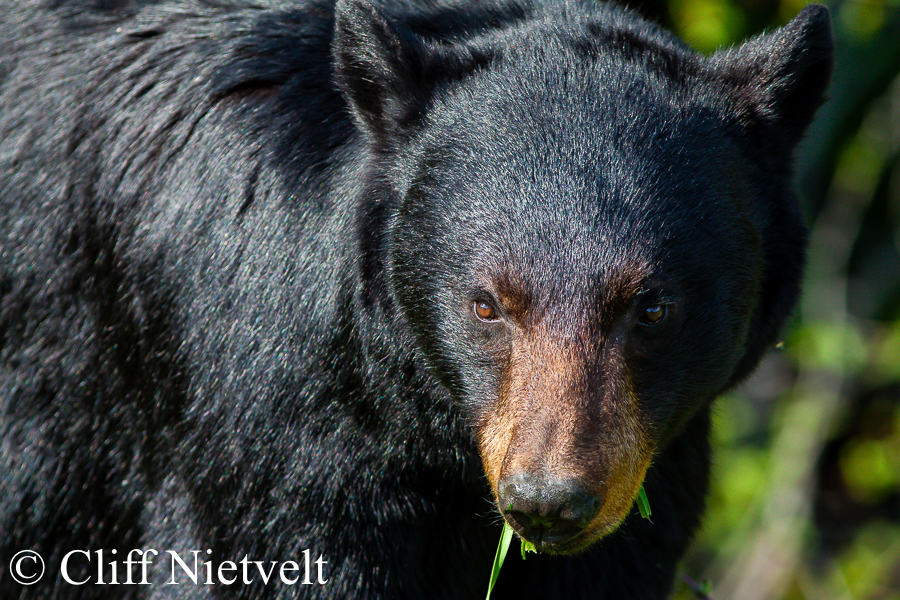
x: 570, y: 546
x: 579, y: 542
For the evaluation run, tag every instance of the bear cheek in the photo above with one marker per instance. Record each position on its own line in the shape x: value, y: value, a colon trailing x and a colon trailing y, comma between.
x: 555, y: 426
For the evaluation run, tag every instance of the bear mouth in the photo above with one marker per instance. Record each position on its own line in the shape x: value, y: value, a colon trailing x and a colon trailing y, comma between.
x: 559, y: 536
x: 548, y: 541
x: 552, y: 544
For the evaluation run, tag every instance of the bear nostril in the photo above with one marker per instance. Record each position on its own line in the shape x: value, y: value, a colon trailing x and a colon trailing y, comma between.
x: 547, y: 512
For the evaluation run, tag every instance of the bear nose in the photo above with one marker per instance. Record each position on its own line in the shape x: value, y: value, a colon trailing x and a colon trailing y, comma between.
x: 547, y: 511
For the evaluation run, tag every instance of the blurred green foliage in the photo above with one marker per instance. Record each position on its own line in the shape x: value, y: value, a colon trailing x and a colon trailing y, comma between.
x: 805, y: 503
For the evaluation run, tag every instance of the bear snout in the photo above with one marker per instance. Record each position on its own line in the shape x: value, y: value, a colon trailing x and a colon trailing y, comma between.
x: 566, y: 445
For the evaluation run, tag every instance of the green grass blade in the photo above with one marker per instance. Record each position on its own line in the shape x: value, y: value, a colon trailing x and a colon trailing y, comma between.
x: 526, y: 546
x: 502, y: 549
x: 643, y: 505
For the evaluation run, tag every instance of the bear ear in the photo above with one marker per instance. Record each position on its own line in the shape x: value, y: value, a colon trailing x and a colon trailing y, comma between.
x: 377, y: 66
x: 780, y: 78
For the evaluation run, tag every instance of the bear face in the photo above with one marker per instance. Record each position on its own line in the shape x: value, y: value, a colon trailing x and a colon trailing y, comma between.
x: 576, y: 315
x: 591, y: 233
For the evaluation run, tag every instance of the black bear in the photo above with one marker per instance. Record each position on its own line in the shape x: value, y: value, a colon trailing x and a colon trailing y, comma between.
x: 301, y: 300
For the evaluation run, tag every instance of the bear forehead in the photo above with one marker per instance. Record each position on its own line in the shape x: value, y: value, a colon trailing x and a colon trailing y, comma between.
x: 592, y: 49
x: 581, y: 130
x: 568, y: 183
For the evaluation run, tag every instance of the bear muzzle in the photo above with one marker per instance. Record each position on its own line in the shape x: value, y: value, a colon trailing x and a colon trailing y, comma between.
x: 566, y: 445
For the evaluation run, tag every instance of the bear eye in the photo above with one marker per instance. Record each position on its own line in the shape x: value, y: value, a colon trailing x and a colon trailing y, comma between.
x: 653, y: 315
x: 485, y: 312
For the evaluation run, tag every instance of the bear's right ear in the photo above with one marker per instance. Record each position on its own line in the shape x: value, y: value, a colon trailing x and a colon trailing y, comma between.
x: 779, y: 79
x: 378, y: 67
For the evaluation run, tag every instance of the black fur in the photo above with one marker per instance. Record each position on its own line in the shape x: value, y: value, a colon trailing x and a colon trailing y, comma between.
x: 240, y: 241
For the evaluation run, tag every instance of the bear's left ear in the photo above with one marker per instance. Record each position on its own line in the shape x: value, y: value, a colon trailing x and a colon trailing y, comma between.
x: 780, y: 78
x: 378, y: 67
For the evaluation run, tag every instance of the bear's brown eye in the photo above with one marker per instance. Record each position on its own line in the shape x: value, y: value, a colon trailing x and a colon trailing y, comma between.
x: 653, y: 315
x: 485, y: 311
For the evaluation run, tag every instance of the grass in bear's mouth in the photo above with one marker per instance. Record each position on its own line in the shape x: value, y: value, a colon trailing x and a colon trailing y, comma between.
x: 526, y: 546
x: 500, y: 556
x: 643, y: 505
